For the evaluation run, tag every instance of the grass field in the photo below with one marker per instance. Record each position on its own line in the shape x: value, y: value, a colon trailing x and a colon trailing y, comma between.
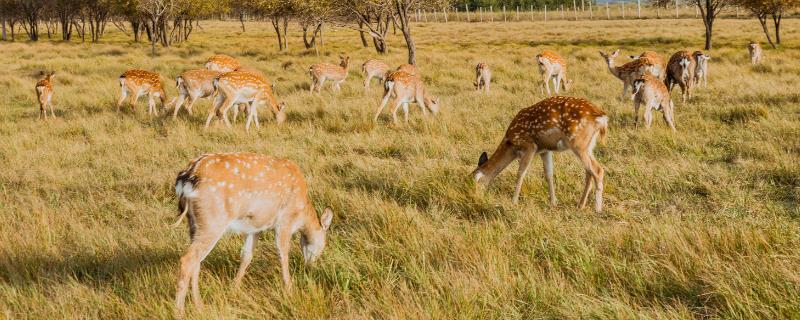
x: 702, y: 223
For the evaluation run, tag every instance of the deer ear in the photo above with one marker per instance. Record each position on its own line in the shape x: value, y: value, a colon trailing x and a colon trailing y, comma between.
x: 282, y: 106
x: 484, y: 157
x: 326, y: 219
x: 707, y: 57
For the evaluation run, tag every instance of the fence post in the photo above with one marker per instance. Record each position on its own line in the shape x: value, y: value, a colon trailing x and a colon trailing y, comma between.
x: 608, y: 12
x: 481, y: 14
x: 676, y: 9
x: 575, y: 9
x: 623, y: 9
x: 639, y: 8
x: 466, y: 7
x: 545, y: 12
x: 504, y: 14
x: 563, y: 14
x: 531, y: 12
x: 491, y: 12
x: 517, y: 13
x: 591, y: 13
x: 696, y: 12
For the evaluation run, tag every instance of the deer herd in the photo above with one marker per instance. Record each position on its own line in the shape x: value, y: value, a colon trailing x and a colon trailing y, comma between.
x: 250, y: 193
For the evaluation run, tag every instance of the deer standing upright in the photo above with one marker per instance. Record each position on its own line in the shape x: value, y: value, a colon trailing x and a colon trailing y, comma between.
x: 483, y: 77
x: 138, y: 82
x: 324, y: 71
x: 553, y: 67
x: 373, y: 68
x: 44, y: 93
x: 406, y: 89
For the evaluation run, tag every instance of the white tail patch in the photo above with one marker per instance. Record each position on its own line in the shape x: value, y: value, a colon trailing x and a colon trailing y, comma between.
x: 602, y: 120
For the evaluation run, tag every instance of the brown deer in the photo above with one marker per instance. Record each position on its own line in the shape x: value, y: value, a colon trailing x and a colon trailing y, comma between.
x: 554, y: 124
x: 406, y: 89
x: 194, y: 84
x: 680, y: 70
x: 755, y: 52
x: 626, y: 72
x: 553, y: 67
x: 483, y: 77
x: 244, y: 193
x: 223, y: 63
x: 655, y: 63
x: 44, y: 93
x: 655, y: 95
x: 373, y: 68
x: 701, y: 69
x: 244, y: 87
x: 138, y: 82
x: 324, y: 71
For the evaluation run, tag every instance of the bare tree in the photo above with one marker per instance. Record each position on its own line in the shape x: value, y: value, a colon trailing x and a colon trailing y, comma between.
x: 709, y: 9
x: 31, y: 12
x: 370, y: 17
x: 156, y: 10
x: 279, y: 12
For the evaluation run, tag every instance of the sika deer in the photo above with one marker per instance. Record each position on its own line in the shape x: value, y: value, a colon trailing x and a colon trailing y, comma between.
x: 44, y: 93
x: 483, y: 77
x: 701, y: 69
x: 374, y: 69
x: 244, y: 193
x: 553, y: 67
x: 244, y: 87
x: 755, y: 52
x: 408, y: 68
x: 627, y: 72
x: 139, y: 82
x: 680, y: 70
x: 223, y: 63
x: 323, y: 71
x: 551, y: 125
x: 654, y: 94
x: 406, y: 89
x: 194, y: 84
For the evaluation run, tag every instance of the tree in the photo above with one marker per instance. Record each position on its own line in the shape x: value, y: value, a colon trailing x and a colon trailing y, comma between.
x: 311, y: 14
x: 709, y: 9
x: 371, y: 17
x: 402, y: 8
x: 31, y: 12
x: 279, y: 12
x: 156, y: 10
x: 764, y: 9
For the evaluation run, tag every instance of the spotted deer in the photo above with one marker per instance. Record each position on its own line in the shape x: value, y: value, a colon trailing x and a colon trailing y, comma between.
x: 554, y: 124
x: 483, y: 77
x: 626, y: 72
x: 194, y: 84
x: 44, y: 93
x: 701, y: 68
x: 324, y: 71
x: 755, y: 52
x: 654, y: 62
x: 553, y: 68
x: 373, y: 68
x: 655, y: 95
x: 223, y: 63
x: 138, y: 82
x: 244, y: 193
x: 407, y: 89
x: 244, y: 87
x: 680, y: 71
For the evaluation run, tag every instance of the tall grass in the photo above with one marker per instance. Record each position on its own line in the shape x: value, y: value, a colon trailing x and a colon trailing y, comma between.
x: 699, y: 223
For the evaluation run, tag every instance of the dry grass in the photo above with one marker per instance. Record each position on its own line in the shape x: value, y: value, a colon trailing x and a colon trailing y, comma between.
x: 701, y: 223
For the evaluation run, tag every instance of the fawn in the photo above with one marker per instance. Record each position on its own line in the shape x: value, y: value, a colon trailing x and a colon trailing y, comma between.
x: 654, y: 63
x: 323, y: 71
x: 194, y: 84
x: 239, y: 87
x: 755, y: 52
x: 626, y: 72
x: 374, y: 69
x: 223, y: 63
x: 553, y: 67
x: 483, y: 77
x: 655, y: 95
x: 680, y: 70
x: 44, y: 93
x: 701, y: 69
x: 406, y: 89
x: 138, y: 82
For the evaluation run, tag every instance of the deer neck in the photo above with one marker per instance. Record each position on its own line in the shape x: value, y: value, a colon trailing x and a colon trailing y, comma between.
x: 499, y: 160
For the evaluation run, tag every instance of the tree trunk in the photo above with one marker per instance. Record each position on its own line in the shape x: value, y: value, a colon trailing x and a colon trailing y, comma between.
x: 11, y: 24
x: 241, y: 20
x: 762, y: 19
x: 708, y: 21
x: 405, y: 27
x: 361, y: 34
x: 3, y: 37
x: 153, y: 36
x: 276, y: 25
x: 776, y: 19
x: 709, y: 30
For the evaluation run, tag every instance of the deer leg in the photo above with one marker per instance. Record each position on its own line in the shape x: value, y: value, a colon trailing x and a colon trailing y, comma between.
x: 178, y: 105
x: 546, y: 82
x: 683, y: 92
x: 227, y: 104
x: 383, y: 104
x: 405, y: 112
x: 313, y: 82
x: 283, y: 239
x: 319, y: 85
x: 247, y: 256
x: 366, y: 82
x: 524, y: 162
x: 397, y: 105
x: 123, y: 94
x: 190, y: 106
x: 151, y: 105
x: 134, y: 98
x: 668, y: 110
x: 625, y: 85
x: 593, y: 172
x: 190, y: 267
x: 636, y: 103
x: 214, y: 107
x: 648, y: 115
x: 557, y: 83
x: 547, y: 159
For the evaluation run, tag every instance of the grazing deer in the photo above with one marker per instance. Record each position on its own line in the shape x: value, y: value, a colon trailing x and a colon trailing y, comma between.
x: 139, y: 82
x: 626, y: 72
x: 374, y: 69
x: 655, y: 63
x: 323, y: 71
x: 483, y: 77
x: 408, y: 68
x: 554, y: 124
x: 194, y: 84
x: 701, y: 68
x: 223, y: 63
x: 244, y: 193
x: 44, y: 92
x: 755, y: 52
x: 553, y: 67
x: 244, y: 87
x: 680, y: 70
x: 655, y: 95
x: 406, y: 89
